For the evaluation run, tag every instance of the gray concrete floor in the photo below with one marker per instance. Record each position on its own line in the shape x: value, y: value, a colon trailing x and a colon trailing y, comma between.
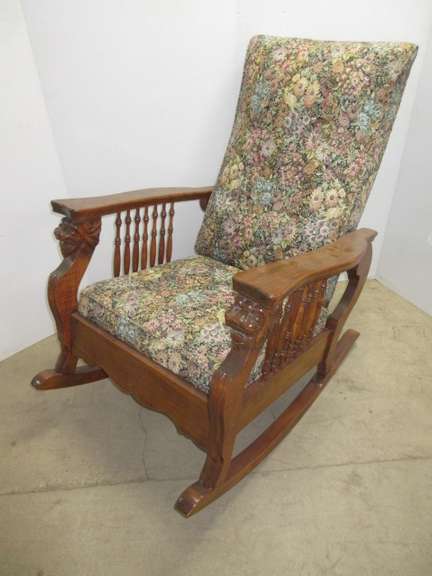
x: 88, y: 479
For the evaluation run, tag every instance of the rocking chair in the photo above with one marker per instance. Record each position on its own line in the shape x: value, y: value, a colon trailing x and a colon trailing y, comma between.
x: 213, y: 340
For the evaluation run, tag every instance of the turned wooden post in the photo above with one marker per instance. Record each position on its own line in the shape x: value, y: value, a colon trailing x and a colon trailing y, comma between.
x: 135, y: 252
x: 161, y: 253
x: 127, y: 240
x: 153, y: 237
x: 170, y: 233
x: 117, y: 244
x: 144, y: 246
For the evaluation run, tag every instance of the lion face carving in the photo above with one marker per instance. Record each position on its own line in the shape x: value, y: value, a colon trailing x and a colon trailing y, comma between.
x: 74, y: 236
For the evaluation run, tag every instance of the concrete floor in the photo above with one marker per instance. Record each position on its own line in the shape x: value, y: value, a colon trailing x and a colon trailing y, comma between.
x: 88, y: 479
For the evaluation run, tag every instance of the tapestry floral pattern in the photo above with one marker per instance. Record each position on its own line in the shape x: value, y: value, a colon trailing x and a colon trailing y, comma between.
x: 174, y: 314
x: 312, y: 124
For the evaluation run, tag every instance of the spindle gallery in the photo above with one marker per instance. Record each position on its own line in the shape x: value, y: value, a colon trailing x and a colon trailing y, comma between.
x: 143, y: 254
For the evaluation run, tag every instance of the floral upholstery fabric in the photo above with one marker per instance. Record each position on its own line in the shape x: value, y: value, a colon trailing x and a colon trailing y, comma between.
x: 312, y: 124
x: 174, y: 313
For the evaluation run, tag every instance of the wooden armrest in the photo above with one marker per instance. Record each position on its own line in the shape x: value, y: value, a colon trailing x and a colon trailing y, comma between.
x: 87, y: 208
x: 273, y: 282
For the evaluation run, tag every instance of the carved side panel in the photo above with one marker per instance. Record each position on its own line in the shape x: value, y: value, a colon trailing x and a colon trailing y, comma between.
x: 293, y: 326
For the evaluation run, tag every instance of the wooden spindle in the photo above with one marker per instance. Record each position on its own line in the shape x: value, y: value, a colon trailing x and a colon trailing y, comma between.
x: 117, y: 243
x: 136, y: 238
x: 153, y: 236
x: 161, y: 254
x: 169, y: 245
x: 144, y: 247
x: 126, y: 253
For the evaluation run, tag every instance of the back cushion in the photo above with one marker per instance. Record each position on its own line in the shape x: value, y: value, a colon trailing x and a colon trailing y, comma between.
x: 312, y: 123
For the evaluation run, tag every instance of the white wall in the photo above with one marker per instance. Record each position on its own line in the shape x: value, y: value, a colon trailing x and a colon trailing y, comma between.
x: 140, y: 93
x: 30, y: 175
x: 406, y: 258
x: 143, y: 93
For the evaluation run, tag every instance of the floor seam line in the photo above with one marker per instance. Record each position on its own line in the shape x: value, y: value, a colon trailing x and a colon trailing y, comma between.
x: 190, y: 478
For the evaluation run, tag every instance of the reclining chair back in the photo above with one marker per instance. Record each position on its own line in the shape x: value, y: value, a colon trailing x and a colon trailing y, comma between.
x: 312, y: 123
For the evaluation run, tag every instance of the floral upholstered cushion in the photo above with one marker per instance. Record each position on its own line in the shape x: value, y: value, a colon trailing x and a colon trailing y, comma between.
x: 173, y: 313
x: 312, y: 124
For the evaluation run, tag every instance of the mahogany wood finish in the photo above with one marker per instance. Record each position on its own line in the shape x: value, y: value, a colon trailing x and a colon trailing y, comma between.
x: 77, y: 243
x: 273, y: 318
x: 148, y: 383
x: 51, y: 379
x: 144, y: 247
x: 153, y: 236
x: 117, y: 244
x: 150, y: 246
x: 161, y: 251
x: 126, y: 255
x: 169, y: 247
x: 86, y: 208
x: 137, y: 220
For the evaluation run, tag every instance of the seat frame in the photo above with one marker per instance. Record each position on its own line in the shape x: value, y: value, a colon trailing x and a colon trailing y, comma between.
x: 276, y: 306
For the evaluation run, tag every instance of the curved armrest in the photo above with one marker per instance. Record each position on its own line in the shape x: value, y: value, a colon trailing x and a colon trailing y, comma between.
x: 259, y: 321
x: 80, y: 209
x: 272, y: 282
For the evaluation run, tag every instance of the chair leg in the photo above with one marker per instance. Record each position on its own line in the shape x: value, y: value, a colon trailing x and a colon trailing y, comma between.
x: 201, y: 493
x: 198, y: 496
x: 213, y: 477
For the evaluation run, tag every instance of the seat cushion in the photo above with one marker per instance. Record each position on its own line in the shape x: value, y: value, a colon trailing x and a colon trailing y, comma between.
x: 312, y: 124
x: 172, y: 313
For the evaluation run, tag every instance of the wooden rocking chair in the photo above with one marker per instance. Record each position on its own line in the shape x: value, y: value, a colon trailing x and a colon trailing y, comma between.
x: 312, y: 123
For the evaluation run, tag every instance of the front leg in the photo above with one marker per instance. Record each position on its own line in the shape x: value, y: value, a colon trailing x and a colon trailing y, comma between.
x: 248, y: 321
x: 77, y: 243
